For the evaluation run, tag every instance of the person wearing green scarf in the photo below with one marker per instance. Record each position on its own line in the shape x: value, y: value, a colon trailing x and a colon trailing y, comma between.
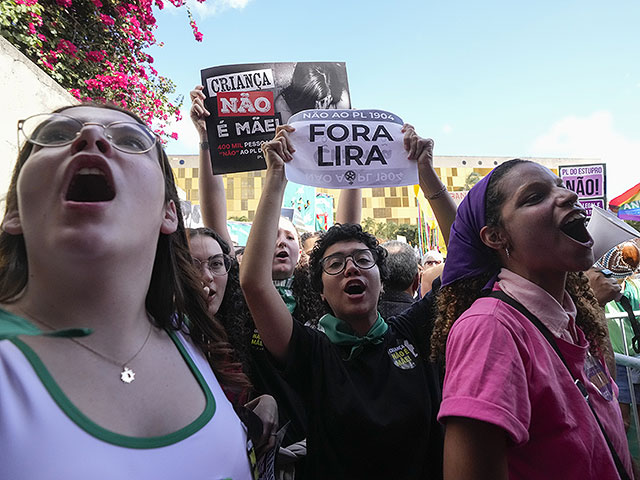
x: 340, y: 333
x: 371, y: 394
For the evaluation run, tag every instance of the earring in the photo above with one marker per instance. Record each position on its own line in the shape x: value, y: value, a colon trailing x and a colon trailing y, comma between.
x: 506, y: 249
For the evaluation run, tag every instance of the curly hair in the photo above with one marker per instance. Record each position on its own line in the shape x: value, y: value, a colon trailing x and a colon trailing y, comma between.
x: 233, y: 313
x: 454, y: 299
x: 590, y: 317
x: 174, y: 293
x: 344, y: 233
x: 309, y: 304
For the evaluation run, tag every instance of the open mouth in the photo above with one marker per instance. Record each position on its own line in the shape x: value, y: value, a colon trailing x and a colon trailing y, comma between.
x: 209, y: 292
x: 282, y: 254
x: 354, y: 288
x: 576, y: 228
x: 90, y: 185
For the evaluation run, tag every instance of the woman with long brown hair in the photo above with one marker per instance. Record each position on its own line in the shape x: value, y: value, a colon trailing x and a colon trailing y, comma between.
x: 110, y: 366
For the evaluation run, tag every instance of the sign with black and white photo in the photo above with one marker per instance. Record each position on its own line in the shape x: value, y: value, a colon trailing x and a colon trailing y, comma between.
x: 349, y: 149
x: 247, y: 102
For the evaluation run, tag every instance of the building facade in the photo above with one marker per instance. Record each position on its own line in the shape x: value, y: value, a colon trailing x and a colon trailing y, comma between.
x: 393, y: 204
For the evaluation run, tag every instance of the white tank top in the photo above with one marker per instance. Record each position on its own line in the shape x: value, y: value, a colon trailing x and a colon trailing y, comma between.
x: 44, y: 436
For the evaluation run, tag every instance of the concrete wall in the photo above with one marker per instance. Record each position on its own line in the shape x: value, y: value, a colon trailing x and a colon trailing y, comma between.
x: 26, y: 90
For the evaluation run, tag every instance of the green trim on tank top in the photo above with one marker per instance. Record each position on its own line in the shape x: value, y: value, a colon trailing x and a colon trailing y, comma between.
x: 101, y: 433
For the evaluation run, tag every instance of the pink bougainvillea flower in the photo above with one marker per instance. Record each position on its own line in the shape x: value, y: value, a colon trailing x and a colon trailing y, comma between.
x: 106, y: 19
x: 95, y: 56
x: 86, y: 64
x: 67, y: 47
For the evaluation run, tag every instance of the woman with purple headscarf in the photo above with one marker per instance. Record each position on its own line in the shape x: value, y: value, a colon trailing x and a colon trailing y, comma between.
x: 526, y: 393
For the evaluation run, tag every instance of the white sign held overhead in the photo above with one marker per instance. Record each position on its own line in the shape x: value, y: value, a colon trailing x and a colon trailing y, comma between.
x: 349, y: 149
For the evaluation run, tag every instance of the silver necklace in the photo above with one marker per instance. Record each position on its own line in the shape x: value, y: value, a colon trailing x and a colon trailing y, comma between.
x: 127, y: 375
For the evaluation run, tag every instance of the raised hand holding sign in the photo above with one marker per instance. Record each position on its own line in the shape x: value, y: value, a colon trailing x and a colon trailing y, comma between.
x: 350, y: 149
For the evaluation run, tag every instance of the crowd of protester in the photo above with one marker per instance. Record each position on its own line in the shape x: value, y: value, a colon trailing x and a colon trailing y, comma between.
x: 132, y: 347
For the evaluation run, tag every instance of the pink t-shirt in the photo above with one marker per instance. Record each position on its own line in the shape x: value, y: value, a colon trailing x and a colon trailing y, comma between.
x: 500, y: 369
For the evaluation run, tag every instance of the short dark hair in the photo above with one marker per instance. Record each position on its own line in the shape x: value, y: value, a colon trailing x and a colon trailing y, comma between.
x: 402, y: 264
x: 307, y: 235
x: 341, y: 233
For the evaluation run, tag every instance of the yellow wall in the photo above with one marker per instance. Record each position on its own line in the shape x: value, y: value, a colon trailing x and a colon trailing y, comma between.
x: 396, y: 204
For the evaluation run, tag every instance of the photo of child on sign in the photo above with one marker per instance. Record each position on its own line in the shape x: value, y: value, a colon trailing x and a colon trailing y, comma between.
x: 247, y: 102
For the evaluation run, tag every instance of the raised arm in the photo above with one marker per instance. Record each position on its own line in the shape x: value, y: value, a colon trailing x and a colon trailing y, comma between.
x: 444, y: 208
x: 213, y: 202
x: 349, y: 209
x: 269, y: 312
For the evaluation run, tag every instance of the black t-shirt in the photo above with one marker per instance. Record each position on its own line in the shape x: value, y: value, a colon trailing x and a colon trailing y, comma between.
x: 266, y: 378
x: 394, y: 303
x: 373, y: 416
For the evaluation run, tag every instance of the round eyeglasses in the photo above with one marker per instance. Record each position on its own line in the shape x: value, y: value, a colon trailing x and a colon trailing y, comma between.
x: 336, y: 263
x: 57, y: 129
x: 218, y: 265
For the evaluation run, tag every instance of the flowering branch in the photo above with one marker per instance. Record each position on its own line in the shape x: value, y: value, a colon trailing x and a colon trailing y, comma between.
x: 96, y: 49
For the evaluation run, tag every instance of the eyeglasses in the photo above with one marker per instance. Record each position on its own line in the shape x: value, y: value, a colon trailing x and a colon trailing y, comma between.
x: 57, y: 129
x: 432, y: 262
x: 336, y: 263
x: 218, y: 265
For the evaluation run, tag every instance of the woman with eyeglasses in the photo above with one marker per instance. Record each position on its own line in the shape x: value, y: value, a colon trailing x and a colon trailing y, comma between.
x: 288, y: 274
x: 110, y: 365
x: 219, y: 275
x: 371, y: 394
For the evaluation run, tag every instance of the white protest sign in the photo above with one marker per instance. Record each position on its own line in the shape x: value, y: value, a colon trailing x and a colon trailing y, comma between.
x: 349, y: 149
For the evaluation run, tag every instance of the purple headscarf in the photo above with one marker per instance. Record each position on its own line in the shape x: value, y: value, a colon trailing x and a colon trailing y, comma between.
x: 467, y: 256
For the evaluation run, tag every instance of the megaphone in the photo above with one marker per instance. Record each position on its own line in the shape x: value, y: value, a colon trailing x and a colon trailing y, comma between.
x: 607, y: 231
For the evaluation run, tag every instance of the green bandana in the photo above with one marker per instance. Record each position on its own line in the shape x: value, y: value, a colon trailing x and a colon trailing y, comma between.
x: 11, y: 326
x: 340, y: 333
x: 286, y: 292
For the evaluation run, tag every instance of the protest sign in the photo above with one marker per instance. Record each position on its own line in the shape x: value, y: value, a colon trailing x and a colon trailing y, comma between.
x: 349, y: 149
x: 588, y: 182
x: 247, y: 102
x: 588, y: 204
